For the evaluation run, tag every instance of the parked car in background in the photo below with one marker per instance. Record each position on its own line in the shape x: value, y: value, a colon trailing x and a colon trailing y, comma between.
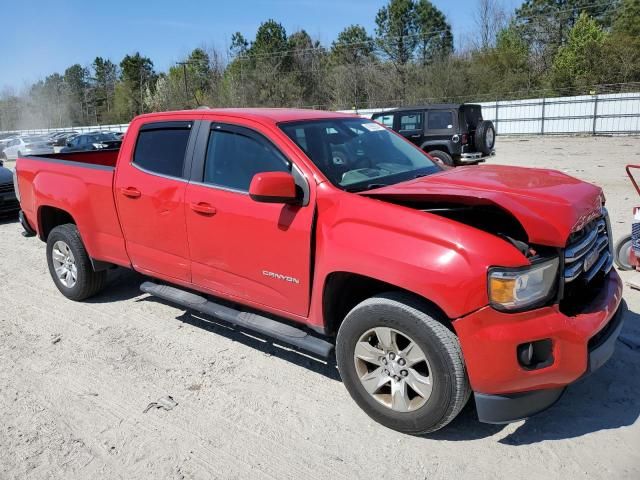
x: 455, y: 134
x: 92, y: 141
x: 8, y: 202
x: 62, y: 138
x: 25, y: 146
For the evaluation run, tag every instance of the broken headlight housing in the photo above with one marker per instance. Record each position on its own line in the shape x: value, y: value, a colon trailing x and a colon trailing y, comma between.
x: 513, y: 289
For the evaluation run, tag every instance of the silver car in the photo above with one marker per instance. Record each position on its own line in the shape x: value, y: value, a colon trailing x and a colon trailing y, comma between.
x: 27, y: 145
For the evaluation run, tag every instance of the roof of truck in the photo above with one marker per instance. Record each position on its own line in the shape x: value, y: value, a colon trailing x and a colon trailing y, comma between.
x: 275, y: 115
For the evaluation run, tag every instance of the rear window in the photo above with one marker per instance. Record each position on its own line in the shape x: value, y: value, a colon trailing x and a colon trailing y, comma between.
x: 161, y: 149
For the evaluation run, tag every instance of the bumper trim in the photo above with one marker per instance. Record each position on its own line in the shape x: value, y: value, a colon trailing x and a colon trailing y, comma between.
x: 603, y: 344
x: 28, y: 231
x: 512, y: 407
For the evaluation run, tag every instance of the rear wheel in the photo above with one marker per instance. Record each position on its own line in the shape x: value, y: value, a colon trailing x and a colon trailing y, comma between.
x: 444, y: 157
x: 622, y: 252
x: 485, y: 137
x: 70, y: 266
x: 401, y: 365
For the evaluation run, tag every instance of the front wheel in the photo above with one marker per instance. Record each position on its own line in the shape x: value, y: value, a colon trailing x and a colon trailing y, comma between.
x: 70, y: 266
x: 401, y: 365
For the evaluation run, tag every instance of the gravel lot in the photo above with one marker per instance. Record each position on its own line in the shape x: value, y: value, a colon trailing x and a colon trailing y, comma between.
x: 75, y: 380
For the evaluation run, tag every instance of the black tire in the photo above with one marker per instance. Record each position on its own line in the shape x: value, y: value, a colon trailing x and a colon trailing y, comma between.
x: 444, y: 157
x: 88, y: 282
x: 621, y: 253
x: 450, y: 386
x: 485, y: 137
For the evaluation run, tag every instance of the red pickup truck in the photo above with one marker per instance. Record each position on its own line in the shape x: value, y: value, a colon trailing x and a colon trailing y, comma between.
x: 323, y: 230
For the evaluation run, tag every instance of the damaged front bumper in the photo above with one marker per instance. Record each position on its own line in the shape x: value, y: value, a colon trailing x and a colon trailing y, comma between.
x: 504, y: 390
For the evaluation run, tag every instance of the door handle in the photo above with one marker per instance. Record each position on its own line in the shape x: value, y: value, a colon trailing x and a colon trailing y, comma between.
x: 130, y: 192
x: 203, y: 208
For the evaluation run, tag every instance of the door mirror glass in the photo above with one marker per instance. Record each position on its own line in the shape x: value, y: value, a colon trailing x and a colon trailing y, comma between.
x: 273, y: 187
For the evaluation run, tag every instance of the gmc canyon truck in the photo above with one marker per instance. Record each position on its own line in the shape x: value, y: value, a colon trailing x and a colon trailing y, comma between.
x: 431, y: 284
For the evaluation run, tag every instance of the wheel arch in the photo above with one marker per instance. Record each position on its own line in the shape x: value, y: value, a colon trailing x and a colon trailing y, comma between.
x: 342, y: 291
x: 50, y: 217
x: 437, y: 145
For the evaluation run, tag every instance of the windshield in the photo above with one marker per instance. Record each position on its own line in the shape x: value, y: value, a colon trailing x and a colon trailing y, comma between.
x: 358, y: 154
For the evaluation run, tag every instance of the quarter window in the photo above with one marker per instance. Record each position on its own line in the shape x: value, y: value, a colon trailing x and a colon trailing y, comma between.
x: 440, y: 121
x: 234, y: 158
x: 162, y: 150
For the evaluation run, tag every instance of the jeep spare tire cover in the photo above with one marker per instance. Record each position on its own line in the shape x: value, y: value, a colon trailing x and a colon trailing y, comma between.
x: 485, y: 138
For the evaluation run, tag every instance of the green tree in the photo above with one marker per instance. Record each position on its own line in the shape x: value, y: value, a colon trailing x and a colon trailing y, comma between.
x: 308, y: 62
x: 353, y: 46
x: 105, y: 76
x: 545, y: 24
x: 396, y: 31
x: 239, y: 45
x: 76, y: 80
x: 267, y: 66
x: 505, y: 69
x: 137, y: 75
x: 579, y: 63
x: 627, y: 18
x: 435, y: 40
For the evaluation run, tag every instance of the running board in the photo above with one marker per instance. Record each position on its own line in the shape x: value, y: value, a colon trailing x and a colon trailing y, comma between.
x: 249, y: 321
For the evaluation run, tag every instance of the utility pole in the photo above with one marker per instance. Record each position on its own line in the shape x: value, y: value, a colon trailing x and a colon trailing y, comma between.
x: 184, y: 73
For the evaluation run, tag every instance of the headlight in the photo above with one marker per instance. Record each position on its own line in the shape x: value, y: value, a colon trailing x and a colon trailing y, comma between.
x: 517, y: 289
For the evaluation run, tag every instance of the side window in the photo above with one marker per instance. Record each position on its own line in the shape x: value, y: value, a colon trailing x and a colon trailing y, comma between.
x: 411, y: 121
x: 440, y: 120
x: 386, y: 120
x: 162, y: 149
x: 233, y: 159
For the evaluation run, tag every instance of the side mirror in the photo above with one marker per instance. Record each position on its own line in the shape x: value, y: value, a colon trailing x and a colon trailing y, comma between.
x: 273, y: 187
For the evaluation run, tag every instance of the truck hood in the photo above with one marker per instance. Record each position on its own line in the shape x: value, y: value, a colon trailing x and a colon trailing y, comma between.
x: 549, y: 205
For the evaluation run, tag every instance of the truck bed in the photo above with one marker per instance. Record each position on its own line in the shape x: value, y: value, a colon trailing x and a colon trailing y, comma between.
x: 80, y: 184
x: 106, y: 158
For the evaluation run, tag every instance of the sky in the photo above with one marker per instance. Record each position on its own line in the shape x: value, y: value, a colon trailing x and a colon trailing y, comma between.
x: 46, y: 37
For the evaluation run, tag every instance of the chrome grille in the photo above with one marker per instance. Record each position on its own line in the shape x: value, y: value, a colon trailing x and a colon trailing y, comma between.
x: 589, y: 251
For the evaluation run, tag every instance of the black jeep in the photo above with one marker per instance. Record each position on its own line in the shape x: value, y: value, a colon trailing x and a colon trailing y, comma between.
x: 453, y: 133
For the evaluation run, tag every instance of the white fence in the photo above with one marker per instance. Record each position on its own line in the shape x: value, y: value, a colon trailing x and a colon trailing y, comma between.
x: 617, y: 113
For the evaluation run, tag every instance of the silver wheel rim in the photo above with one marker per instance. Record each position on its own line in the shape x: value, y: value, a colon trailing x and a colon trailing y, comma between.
x: 393, y: 369
x: 64, y: 264
x: 490, y: 137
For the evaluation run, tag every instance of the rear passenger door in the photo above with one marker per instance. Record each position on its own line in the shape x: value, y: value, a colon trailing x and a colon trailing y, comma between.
x: 149, y: 189
x: 258, y: 253
x: 410, y: 125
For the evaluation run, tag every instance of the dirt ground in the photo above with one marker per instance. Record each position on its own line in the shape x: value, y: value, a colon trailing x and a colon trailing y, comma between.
x: 75, y: 379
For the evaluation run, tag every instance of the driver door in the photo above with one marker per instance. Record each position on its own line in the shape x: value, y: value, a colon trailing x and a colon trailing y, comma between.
x: 259, y: 253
